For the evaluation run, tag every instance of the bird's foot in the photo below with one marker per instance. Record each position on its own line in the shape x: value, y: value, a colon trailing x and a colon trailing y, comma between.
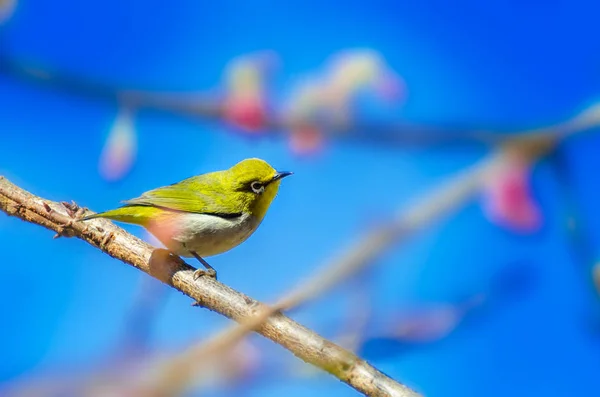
x: 212, y: 273
x: 209, y: 271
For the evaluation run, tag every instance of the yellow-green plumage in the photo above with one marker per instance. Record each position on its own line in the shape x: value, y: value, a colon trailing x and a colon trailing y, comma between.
x: 207, y: 214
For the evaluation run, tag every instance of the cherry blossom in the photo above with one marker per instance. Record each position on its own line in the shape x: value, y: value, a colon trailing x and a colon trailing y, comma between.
x: 508, y: 197
x: 246, y: 100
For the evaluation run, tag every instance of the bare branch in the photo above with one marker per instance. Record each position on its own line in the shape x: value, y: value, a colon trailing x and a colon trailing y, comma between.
x: 210, y: 108
x: 114, y: 241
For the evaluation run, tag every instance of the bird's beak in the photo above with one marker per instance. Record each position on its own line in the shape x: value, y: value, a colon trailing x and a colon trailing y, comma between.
x: 281, y: 175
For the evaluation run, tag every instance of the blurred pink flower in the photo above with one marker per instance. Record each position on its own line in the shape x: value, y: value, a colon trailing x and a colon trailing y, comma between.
x: 120, y: 149
x: 327, y: 99
x: 508, y: 198
x: 352, y: 70
x: 246, y: 112
x: 246, y: 97
x: 329, y: 95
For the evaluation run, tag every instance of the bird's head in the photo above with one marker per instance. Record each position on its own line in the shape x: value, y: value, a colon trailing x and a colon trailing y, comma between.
x: 257, y: 183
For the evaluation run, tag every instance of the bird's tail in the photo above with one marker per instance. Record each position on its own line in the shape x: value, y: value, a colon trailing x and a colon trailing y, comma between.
x: 137, y: 215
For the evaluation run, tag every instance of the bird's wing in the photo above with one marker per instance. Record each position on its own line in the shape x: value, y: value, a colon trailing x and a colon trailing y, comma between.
x: 201, y: 194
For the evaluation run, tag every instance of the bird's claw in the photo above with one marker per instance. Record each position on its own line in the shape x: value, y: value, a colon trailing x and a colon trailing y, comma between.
x: 205, y: 272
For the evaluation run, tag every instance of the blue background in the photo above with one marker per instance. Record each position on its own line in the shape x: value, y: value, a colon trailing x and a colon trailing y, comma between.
x: 517, y: 63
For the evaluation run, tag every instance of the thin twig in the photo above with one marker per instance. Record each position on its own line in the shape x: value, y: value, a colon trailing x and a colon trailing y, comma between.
x: 209, y: 293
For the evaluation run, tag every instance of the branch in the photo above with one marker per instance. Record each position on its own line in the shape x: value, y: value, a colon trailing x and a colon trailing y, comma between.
x: 211, y: 108
x: 119, y: 244
x: 431, y: 207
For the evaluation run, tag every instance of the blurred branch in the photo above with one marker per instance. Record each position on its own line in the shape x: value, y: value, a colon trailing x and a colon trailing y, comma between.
x: 212, y: 108
x: 209, y: 293
x: 360, y: 255
x: 426, y: 209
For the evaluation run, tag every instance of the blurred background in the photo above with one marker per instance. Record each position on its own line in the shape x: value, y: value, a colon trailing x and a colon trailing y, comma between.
x: 371, y: 105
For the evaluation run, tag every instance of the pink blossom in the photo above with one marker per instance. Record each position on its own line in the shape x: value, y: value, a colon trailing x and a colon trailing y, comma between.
x: 327, y: 98
x: 246, y: 97
x: 246, y: 112
x: 508, y: 198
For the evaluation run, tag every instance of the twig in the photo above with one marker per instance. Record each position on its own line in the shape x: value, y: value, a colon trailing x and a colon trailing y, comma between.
x: 210, y: 108
x: 209, y: 293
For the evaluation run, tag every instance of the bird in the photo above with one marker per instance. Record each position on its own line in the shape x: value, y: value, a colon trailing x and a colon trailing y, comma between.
x: 207, y: 214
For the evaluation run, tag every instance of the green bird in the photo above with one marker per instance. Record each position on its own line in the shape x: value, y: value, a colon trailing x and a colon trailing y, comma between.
x: 207, y: 214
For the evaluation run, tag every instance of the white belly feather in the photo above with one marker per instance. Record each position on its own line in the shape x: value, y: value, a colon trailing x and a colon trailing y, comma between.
x: 206, y: 235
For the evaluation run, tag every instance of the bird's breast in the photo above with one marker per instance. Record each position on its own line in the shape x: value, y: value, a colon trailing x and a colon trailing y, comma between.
x: 204, y: 234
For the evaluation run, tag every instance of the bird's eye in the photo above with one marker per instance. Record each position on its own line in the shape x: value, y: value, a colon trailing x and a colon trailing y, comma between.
x: 257, y: 187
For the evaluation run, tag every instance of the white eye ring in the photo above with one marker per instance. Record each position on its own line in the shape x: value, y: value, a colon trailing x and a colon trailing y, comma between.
x: 257, y: 187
